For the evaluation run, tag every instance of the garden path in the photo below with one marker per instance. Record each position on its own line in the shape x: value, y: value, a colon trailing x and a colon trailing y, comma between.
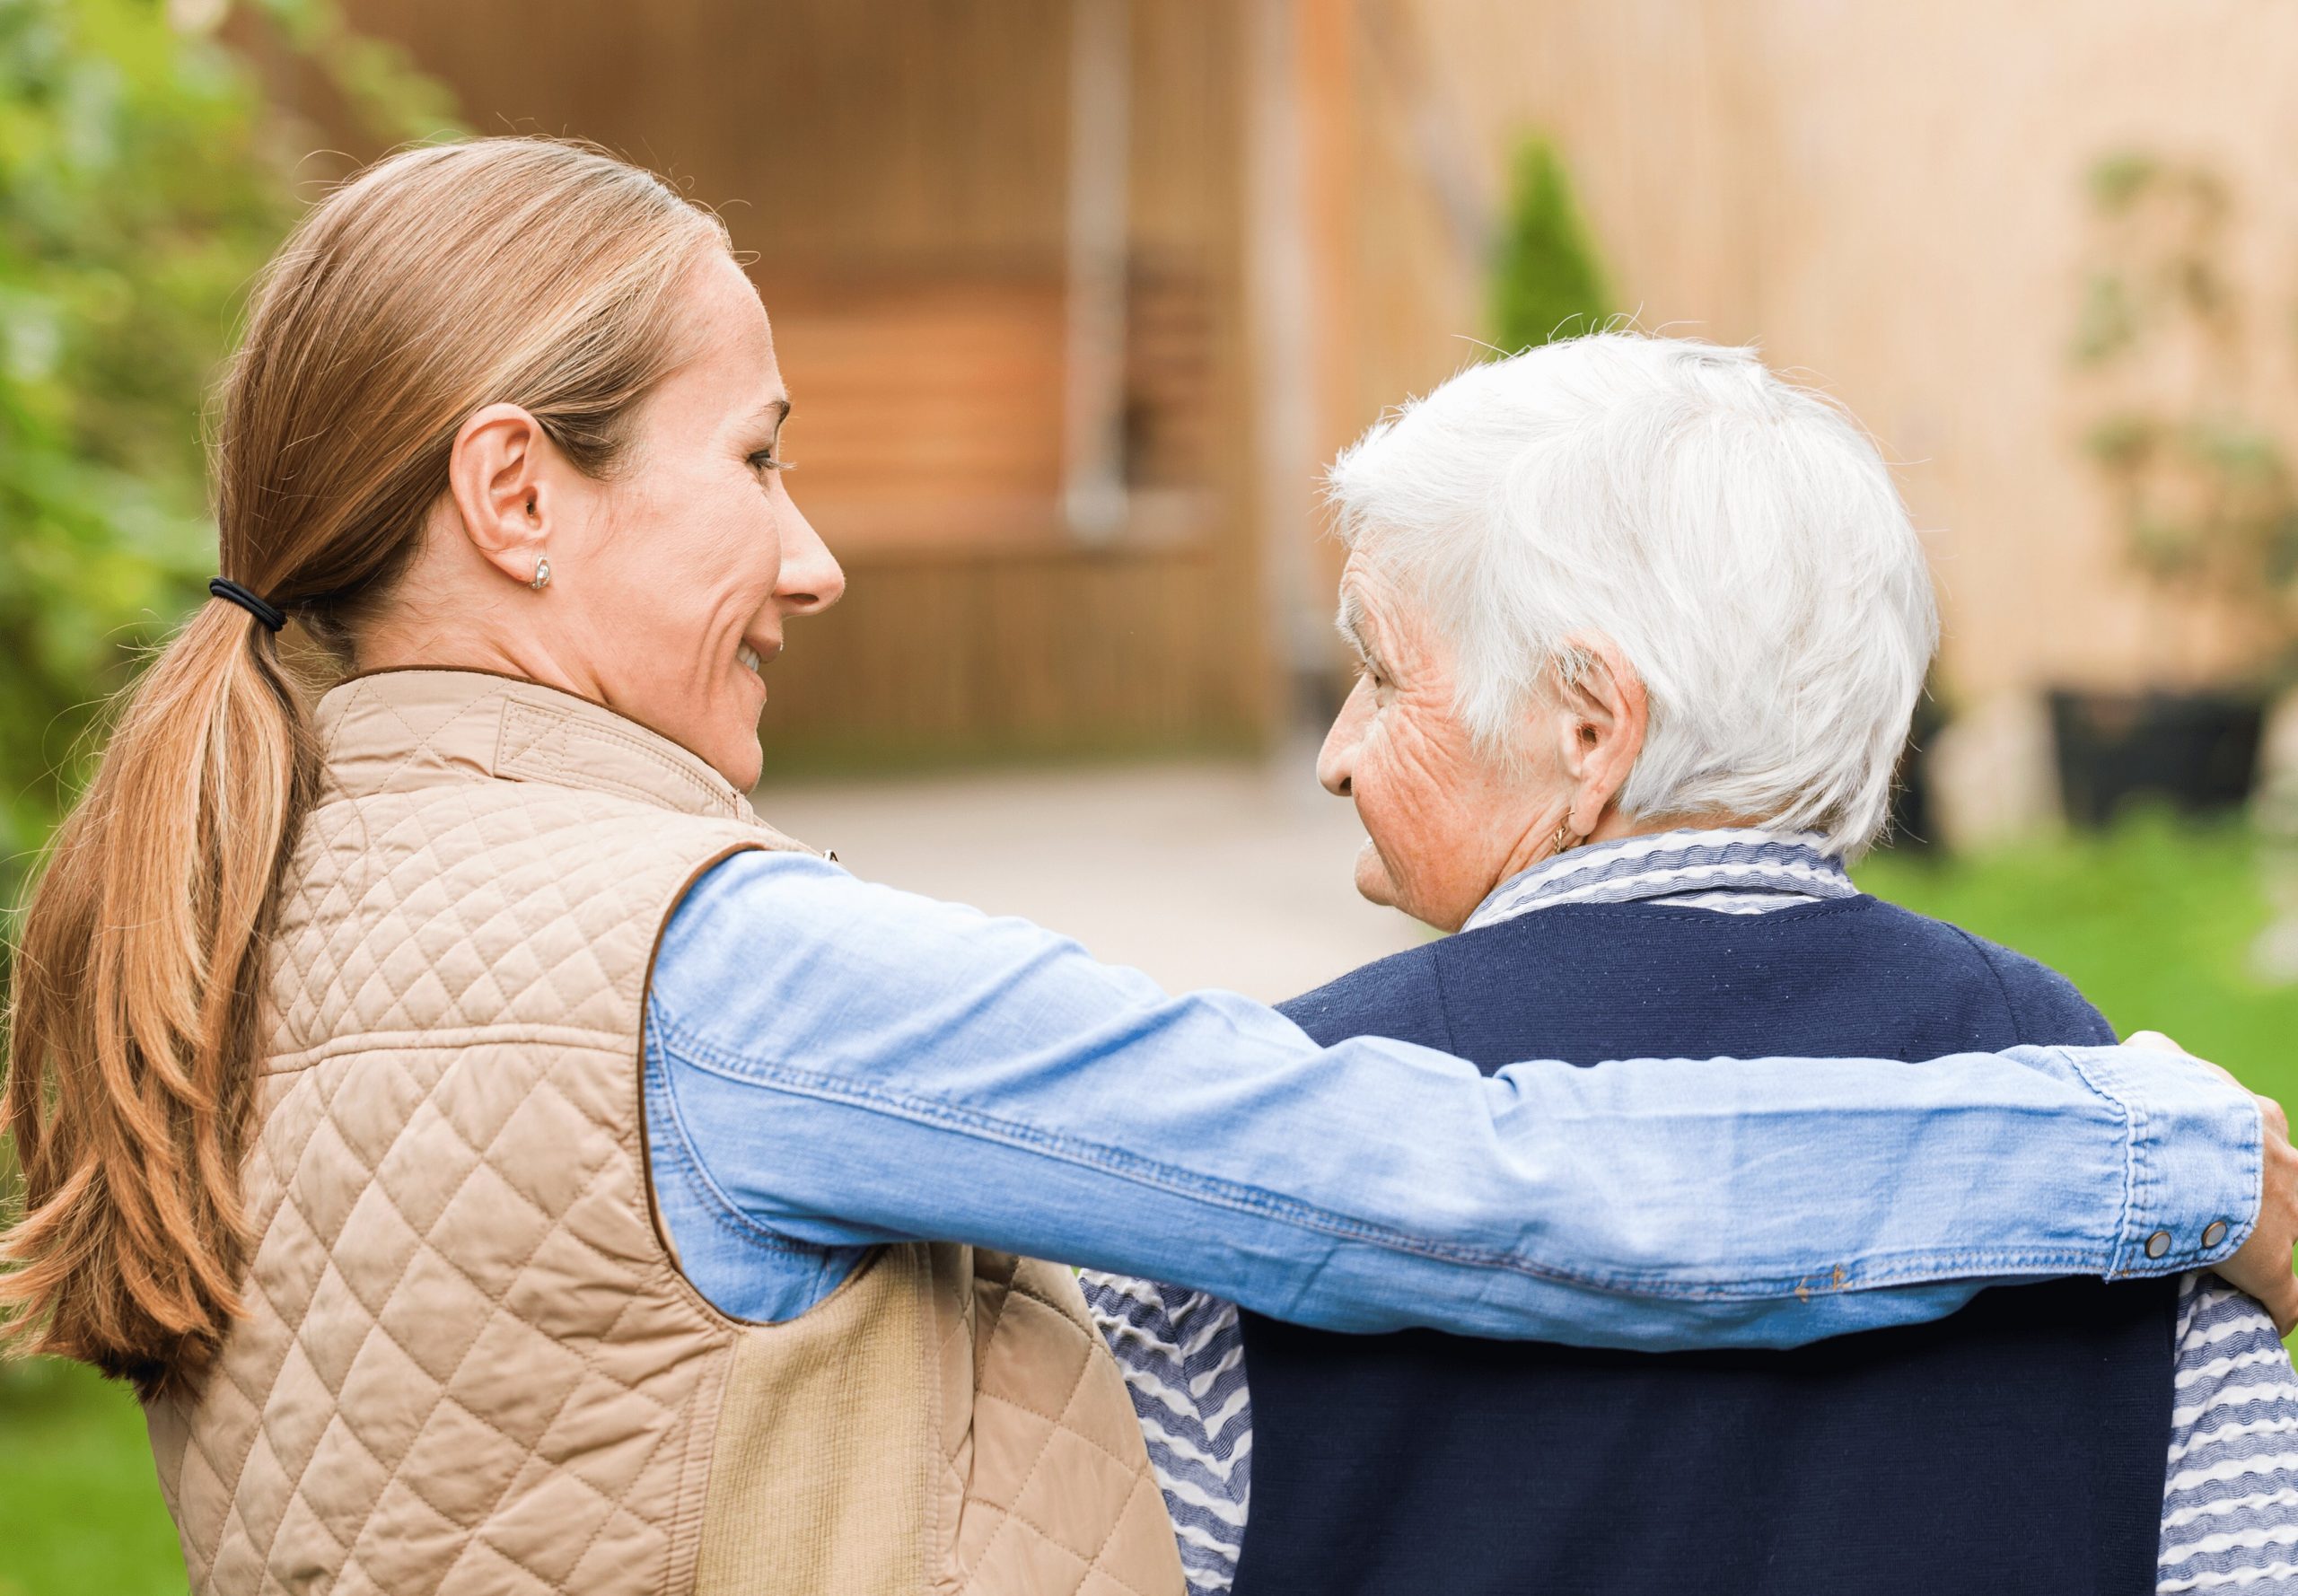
x: 1203, y: 874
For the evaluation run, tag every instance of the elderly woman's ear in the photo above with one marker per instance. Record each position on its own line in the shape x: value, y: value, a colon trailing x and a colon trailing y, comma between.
x: 1597, y: 715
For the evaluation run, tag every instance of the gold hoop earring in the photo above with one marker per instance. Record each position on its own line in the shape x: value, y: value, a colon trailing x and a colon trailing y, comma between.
x: 1563, y: 842
x: 542, y: 573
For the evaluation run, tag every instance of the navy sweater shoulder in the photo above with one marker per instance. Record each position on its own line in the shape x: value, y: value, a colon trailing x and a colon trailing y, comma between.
x: 2017, y: 1445
x: 1396, y: 997
x: 1451, y: 994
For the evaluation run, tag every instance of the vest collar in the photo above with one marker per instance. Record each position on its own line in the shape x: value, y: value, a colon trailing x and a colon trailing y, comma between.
x: 402, y: 731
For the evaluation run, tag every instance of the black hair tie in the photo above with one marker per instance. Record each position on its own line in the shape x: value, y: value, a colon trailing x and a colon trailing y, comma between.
x: 270, y: 615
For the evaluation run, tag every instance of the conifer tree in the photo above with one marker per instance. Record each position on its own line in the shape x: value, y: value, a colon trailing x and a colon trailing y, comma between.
x: 1547, y: 283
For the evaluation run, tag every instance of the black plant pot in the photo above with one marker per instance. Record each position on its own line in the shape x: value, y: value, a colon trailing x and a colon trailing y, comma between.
x: 2195, y: 751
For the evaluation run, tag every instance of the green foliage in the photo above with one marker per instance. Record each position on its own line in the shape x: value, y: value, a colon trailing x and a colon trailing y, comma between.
x: 1547, y: 283
x: 2158, y: 270
x: 2117, y: 181
x: 2206, y: 494
x: 2106, y: 321
x: 391, y: 97
x: 136, y: 208
x: 142, y: 182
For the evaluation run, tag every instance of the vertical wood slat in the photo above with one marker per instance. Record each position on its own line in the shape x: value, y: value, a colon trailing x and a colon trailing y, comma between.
x: 917, y: 139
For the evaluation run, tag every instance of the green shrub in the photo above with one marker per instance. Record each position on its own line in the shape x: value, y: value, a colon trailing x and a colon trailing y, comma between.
x: 2205, y: 488
x: 1547, y: 283
x: 142, y: 182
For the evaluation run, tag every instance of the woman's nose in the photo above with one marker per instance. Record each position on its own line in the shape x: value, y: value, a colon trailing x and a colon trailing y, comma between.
x: 812, y: 579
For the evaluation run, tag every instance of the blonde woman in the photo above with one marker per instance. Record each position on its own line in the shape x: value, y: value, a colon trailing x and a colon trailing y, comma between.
x: 502, y: 1163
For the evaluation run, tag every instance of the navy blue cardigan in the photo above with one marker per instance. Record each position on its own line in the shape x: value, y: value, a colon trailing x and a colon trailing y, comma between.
x: 2016, y: 1446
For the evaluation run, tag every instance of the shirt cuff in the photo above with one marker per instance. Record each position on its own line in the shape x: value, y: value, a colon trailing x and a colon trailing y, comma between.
x: 2195, y: 1157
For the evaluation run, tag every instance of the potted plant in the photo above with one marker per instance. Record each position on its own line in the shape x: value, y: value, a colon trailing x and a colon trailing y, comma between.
x: 2204, y: 492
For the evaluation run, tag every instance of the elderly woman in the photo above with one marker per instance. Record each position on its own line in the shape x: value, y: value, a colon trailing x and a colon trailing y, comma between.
x: 1641, y: 628
x: 502, y: 1163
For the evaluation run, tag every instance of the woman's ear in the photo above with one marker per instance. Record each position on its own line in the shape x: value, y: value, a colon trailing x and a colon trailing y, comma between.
x: 497, y: 476
x: 1605, y: 717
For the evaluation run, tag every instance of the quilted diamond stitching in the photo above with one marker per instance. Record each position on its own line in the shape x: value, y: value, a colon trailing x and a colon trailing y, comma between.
x: 416, y: 744
x: 373, y: 1327
x: 1008, y: 1516
x: 1060, y: 1417
x: 998, y: 1281
x: 547, y: 752
x: 445, y: 1396
x: 429, y: 1248
x: 574, y: 941
x: 517, y: 899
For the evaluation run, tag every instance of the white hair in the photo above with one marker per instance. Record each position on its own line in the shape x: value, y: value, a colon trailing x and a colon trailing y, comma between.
x: 1738, y: 538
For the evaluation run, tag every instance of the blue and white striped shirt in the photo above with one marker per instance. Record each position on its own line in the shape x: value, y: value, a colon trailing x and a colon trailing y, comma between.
x: 2230, y: 1509
x: 2230, y: 1501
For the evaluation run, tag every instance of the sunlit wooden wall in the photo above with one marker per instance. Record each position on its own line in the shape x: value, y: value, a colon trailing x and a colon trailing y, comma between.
x: 898, y: 168
x: 1889, y: 199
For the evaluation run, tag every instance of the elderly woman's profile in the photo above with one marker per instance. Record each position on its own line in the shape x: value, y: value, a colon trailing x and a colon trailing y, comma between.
x: 1640, y: 629
x: 501, y: 1161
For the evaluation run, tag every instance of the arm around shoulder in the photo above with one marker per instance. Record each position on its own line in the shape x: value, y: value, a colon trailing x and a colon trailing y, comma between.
x: 859, y: 1064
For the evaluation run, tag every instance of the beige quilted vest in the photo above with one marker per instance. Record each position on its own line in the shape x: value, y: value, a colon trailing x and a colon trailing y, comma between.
x: 469, y: 1364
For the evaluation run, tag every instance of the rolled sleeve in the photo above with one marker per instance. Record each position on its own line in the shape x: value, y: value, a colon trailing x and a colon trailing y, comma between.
x: 2195, y: 1159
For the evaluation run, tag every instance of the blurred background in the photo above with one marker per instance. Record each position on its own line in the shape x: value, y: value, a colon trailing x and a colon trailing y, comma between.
x: 1076, y: 298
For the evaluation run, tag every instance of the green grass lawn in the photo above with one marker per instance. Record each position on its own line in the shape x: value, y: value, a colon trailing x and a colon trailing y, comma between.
x: 80, y: 1512
x: 2152, y: 922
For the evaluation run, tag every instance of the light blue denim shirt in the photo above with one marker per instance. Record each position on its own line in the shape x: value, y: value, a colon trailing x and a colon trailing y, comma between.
x: 831, y: 1064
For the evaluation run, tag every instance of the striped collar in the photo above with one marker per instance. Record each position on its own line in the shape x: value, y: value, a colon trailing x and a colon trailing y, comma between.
x: 1736, y: 869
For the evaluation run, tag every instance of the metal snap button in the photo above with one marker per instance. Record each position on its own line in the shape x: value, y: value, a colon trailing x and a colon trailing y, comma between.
x: 2158, y: 1243
x: 2214, y: 1232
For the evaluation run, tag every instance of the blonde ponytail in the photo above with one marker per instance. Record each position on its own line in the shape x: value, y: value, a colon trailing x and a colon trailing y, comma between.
x: 137, y: 976
x: 528, y: 271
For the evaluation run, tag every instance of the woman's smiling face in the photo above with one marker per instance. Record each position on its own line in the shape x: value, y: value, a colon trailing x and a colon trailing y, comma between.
x: 699, y: 555
x: 671, y: 577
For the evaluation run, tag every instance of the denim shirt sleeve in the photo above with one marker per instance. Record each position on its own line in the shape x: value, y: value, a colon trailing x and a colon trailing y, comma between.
x: 833, y: 1064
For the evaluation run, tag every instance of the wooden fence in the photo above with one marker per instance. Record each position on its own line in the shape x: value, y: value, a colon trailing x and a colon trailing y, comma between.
x: 897, y: 170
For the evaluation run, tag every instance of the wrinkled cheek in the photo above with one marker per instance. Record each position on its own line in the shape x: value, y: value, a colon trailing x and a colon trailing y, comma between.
x: 1384, y: 807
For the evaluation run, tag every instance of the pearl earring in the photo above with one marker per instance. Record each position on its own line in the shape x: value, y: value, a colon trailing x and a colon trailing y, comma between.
x: 542, y: 573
